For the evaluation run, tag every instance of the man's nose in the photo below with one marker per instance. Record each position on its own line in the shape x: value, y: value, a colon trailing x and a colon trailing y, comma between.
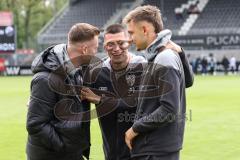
x: 116, y: 47
x: 130, y: 38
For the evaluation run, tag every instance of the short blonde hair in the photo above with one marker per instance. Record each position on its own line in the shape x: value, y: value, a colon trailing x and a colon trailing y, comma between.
x: 82, y: 32
x: 147, y: 13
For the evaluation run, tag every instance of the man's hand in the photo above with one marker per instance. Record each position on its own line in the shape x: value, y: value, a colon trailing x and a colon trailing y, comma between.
x: 129, y: 136
x: 87, y: 94
x: 173, y: 46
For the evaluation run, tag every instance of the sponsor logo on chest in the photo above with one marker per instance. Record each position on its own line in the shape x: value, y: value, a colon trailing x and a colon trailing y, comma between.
x: 103, y: 88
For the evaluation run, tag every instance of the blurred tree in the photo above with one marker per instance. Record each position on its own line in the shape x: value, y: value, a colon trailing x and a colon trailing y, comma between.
x: 30, y: 16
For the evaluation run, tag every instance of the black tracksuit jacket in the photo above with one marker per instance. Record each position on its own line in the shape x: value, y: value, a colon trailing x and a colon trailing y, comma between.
x: 117, y: 109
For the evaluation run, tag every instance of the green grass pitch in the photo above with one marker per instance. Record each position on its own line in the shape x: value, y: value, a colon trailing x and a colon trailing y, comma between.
x: 212, y: 129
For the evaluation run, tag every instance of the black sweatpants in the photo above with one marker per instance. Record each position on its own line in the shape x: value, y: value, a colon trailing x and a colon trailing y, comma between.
x: 64, y: 158
x: 171, y: 156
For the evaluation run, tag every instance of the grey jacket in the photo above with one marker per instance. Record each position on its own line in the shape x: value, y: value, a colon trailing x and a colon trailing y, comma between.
x: 160, y: 116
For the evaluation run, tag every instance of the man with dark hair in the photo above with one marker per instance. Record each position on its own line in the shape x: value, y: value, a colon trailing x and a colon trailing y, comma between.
x: 212, y: 64
x: 225, y: 63
x: 55, y: 69
x: 157, y: 132
x: 115, y: 80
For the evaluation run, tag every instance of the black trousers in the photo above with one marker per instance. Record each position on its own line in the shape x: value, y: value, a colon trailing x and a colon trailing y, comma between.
x: 171, y: 156
x: 63, y: 158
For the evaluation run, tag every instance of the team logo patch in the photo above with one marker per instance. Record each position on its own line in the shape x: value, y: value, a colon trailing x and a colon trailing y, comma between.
x: 130, y: 78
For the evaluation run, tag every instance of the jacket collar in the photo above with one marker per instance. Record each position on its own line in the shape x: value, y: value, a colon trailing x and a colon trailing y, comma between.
x: 162, y: 39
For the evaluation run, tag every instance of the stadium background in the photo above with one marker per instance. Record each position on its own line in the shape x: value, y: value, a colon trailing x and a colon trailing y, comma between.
x: 207, y: 29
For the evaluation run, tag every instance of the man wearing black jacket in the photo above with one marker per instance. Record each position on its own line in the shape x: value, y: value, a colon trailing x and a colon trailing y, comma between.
x: 158, y: 128
x: 115, y: 86
x: 56, y: 71
x: 109, y: 78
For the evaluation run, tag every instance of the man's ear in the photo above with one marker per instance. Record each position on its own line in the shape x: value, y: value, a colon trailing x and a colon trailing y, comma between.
x: 145, y: 30
x: 84, y: 49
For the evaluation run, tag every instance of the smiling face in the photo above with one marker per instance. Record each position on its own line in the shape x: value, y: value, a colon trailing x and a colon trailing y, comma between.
x: 116, y: 45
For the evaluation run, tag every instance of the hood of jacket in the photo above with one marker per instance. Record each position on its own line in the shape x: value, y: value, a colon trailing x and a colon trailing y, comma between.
x: 162, y: 39
x: 53, y: 59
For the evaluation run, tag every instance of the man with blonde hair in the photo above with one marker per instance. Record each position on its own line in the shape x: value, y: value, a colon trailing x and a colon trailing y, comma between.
x: 57, y: 67
x: 157, y: 132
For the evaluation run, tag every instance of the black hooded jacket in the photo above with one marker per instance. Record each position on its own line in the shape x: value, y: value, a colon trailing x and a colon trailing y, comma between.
x: 51, y: 137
